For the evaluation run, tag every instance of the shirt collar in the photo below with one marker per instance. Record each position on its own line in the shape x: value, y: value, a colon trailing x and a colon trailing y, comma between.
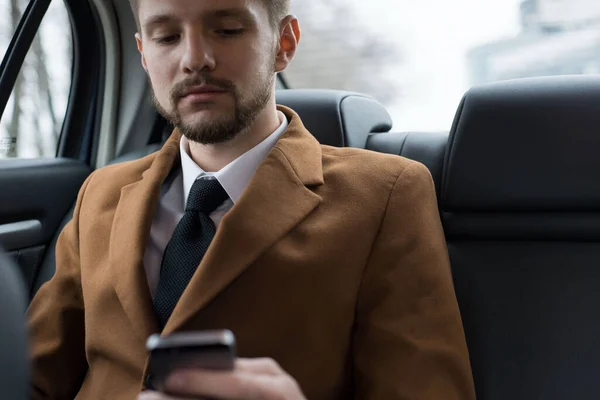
x: 236, y: 175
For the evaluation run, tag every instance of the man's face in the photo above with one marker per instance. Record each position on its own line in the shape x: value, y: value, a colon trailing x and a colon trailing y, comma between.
x: 211, y: 63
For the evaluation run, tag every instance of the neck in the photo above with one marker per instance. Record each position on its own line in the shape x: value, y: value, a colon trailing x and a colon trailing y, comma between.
x: 214, y: 157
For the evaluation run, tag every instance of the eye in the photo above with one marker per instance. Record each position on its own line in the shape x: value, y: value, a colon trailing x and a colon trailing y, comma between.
x: 167, y: 39
x: 230, y: 32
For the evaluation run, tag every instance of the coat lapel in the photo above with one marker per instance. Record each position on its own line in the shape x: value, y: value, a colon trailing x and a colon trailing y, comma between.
x: 277, y: 199
x: 129, y: 235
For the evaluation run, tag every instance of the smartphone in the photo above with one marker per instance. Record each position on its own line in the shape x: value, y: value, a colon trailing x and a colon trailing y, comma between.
x: 213, y: 350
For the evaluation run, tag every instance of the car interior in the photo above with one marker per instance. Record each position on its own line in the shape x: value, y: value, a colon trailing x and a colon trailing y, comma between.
x: 13, y: 338
x: 516, y: 177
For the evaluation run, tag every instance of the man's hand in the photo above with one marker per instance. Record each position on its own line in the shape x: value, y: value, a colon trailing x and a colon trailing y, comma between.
x: 251, y: 379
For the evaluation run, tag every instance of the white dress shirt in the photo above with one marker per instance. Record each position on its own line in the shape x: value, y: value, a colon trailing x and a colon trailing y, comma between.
x: 234, y: 178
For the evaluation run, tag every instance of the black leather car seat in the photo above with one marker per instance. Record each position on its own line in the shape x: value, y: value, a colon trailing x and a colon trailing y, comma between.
x: 520, y: 203
x: 14, y: 367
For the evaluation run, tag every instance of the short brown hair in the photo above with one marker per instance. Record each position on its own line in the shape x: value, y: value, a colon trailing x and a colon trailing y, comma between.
x: 278, y: 10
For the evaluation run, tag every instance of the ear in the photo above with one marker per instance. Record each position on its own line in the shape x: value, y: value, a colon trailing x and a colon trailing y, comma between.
x: 140, y: 46
x: 289, y: 37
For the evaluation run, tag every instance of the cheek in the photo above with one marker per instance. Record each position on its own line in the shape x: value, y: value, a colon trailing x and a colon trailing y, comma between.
x: 161, y: 81
x: 250, y: 56
x: 251, y: 66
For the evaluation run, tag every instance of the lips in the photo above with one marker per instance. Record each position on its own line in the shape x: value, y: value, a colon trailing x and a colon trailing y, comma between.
x: 203, y: 90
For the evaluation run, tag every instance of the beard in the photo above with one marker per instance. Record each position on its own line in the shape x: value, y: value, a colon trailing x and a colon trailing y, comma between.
x: 222, y: 129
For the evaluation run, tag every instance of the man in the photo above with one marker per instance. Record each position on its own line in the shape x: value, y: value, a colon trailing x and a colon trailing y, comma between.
x: 329, y: 265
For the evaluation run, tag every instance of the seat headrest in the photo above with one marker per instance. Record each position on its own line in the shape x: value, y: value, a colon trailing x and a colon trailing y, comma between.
x: 337, y: 118
x: 526, y: 145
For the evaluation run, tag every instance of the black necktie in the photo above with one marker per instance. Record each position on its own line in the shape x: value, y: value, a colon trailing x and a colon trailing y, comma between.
x: 187, y: 246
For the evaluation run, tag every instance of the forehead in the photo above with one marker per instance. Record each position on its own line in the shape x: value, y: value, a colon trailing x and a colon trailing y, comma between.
x: 197, y: 9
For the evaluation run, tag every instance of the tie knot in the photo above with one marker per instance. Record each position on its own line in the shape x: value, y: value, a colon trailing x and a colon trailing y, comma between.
x: 206, y: 196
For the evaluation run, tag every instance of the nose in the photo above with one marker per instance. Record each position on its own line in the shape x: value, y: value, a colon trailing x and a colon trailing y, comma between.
x: 198, y: 54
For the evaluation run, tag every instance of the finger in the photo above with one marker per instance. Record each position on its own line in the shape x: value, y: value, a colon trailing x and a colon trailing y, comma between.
x: 266, y: 366
x: 219, y: 385
x: 160, y: 396
x: 148, y: 395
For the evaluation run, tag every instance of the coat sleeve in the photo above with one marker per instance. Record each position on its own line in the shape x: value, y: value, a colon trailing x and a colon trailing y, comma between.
x: 409, y: 342
x: 56, y: 321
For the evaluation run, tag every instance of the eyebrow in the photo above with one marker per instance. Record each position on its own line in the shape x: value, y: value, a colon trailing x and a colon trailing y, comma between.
x: 238, y: 13
x: 241, y: 14
x: 159, y: 19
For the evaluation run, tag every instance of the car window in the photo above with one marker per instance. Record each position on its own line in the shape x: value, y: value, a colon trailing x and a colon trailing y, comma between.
x: 31, y: 124
x: 11, y: 12
x: 419, y: 57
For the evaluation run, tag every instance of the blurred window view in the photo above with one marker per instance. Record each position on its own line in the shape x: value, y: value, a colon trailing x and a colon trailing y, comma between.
x: 418, y: 58
x: 32, y: 121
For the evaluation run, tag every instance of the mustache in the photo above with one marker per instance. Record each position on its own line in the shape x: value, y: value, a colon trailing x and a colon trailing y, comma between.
x: 182, y: 87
